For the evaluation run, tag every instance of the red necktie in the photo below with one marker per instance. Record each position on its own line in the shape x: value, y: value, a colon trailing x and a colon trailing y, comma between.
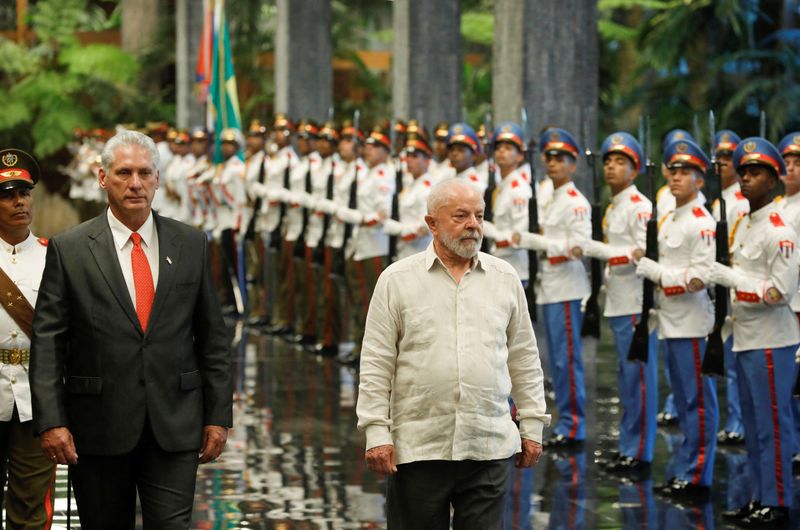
x: 142, y: 281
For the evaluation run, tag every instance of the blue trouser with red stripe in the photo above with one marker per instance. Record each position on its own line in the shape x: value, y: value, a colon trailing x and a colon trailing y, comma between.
x: 734, y: 421
x: 638, y: 391
x: 562, y: 321
x: 765, y: 388
x: 669, y: 402
x: 698, y: 415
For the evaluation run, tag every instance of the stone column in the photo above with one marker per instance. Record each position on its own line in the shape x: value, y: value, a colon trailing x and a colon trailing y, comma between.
x: 508, y: 63
x: 139, y: 24
x: 561, y: 71
x: 304, y: 59
x: 188, y: 25
x: 427, y: 62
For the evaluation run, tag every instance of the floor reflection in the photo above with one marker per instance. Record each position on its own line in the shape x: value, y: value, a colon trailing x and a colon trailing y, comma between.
x: 295, y: 460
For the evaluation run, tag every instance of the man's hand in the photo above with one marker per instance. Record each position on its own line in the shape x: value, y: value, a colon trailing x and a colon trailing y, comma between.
x: 531, y: 452
x: 214, y: 438
x: 58, y: 446
x: 381, y: 459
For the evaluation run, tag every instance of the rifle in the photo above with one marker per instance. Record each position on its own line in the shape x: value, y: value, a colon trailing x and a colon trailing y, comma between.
x: 300, y: 244
x: 491, y: 186
x: 533, y: 222
x: 251, y: 226
x: 326, y: 220
x: 714, y: 361
x: 640, y: 345
x: 398, y: 187
x: 591, y: 318
x: 276, y: 237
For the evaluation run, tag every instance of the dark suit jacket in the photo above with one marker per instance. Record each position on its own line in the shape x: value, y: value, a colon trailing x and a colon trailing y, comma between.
x: 95, y: 371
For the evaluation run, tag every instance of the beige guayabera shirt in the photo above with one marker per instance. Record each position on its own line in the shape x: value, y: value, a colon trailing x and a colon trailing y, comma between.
x: 440, y: 359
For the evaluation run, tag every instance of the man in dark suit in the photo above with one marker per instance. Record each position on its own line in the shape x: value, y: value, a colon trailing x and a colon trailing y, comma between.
x: 130, y: 363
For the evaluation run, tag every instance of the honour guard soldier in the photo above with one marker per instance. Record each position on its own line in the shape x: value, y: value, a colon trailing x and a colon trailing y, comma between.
x: 173, y: 177
x: 295, y: 221
x: 686, y: 242
x: 411, y: 229
x: 30, y: 492
x: 763, y: 279
x: 349, y: 169
x: 368, y: 248
x: 462, y: 145
x: 255, y: 245
x: 195, y: 192
x: 624, y: 233
x: 665, y: 202
x: 269, y: 222
x: 736, y: 207
x: 562, y: 282
x: 510, y: 199
x: 440, y: 168
x: 317, y: 226
x: 789, y: 204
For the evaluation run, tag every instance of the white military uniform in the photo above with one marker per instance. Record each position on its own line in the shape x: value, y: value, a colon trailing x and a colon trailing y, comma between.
x: 24, y: 265
x: 411, y: 230
x: 625, y: 228
x: 789, y: 208
x: 269, y: 216
x: 441, y: 170
x: 477, y: 179
x: 293, y: 222
x: 375, y: 190
x: 510, y: 210
x: 198, y: 201
x: 252, y: 170
x: 565, y: 223
x: 319, y: 188
x: 736, y: 205
x: 343, y: 176
x: 764, y: 257
x: 228, y: 194
x: 687, y: 248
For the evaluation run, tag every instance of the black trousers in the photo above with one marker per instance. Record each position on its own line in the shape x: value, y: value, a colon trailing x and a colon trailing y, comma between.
x: 106, y: 487
x: 420, y: 494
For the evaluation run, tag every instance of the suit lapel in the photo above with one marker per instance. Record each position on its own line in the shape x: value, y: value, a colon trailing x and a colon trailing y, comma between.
x: 101, y: 244
x: 169, y: 250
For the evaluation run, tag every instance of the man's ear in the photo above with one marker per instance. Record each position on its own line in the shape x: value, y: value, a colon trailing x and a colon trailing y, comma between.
x: 431, y: 222
x: 101, y: 177
x: 701, y: 181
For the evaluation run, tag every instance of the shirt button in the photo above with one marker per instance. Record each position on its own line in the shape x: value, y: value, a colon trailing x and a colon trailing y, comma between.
x: 14, y: 334
x: 13, y: 380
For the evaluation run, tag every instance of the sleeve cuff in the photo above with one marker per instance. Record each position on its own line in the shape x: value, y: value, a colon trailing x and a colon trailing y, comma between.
x: 531, y: 429
x: 380, y: 435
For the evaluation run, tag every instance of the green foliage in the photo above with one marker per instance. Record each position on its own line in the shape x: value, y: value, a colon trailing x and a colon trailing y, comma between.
x: 675, y: 59
x: 477, y: 27
x: 54, y: 84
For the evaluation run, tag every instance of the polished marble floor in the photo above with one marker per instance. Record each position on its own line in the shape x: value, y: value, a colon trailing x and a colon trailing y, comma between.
x: 295, y: 459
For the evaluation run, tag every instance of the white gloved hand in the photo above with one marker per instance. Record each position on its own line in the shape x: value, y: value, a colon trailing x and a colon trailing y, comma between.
x: 348, y: 215
x: 594, y: 249
x: 720, y: 274
x: 392, y: 227
x: 652, y: 321
x: 259, y: 189
x: 489, y: 230
x: 327, y: 206
x: 649, y: 269
x: 503, y: 235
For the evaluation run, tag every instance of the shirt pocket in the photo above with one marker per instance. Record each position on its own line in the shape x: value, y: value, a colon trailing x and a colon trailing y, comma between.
x: 418, y: 330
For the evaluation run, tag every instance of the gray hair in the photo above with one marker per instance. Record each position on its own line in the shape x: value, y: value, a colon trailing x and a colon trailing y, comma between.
x: 446, y: 190
x: 126, y: 137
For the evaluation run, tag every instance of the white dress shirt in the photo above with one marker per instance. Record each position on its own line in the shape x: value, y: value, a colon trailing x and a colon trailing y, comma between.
x: 24, y: 265
x: 123, y: 245
x: 440, y: 359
